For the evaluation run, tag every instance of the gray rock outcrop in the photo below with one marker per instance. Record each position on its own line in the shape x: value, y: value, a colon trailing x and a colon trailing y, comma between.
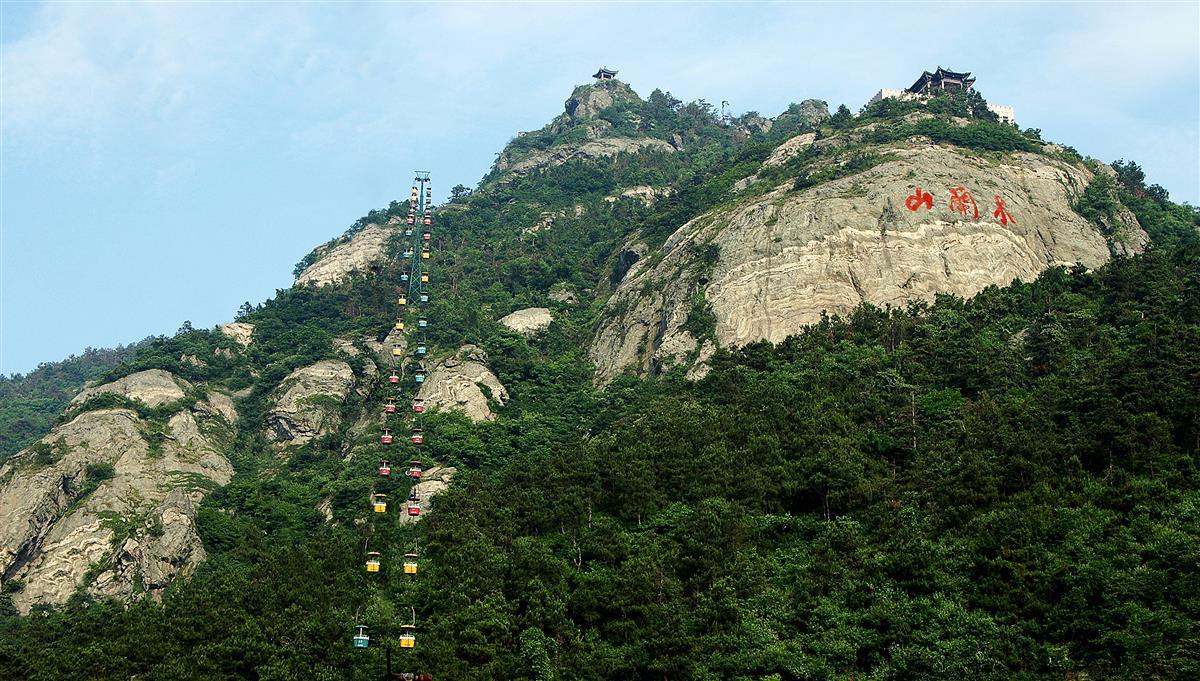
x: 107, y: 501
x: 787, y: 256
x: 528, y: 321
x: 242, y: 332
x: 361, y: 253
x: 153, y: 387
x: 434, y: 481
x: 459, y: 383
x: 308, y: 402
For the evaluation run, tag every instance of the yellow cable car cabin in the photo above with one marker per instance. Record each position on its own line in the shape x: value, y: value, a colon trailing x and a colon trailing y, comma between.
x: 397, y: 351
x: 424, y: 277
x: 386, y: 438
x: 408, y: 636
x: 399, y: 325
x: 410, y: 563
x: 379, y: 503
x: 373, y: 561
x: 394, y: 377
x: 385, y: 468
x: 424, y: 253
x: 403, y: 300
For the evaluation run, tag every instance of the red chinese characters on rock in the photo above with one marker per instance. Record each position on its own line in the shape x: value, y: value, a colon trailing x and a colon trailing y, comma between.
x: 960, y: 198
x: 1000, y: 211
x: 919, y: 198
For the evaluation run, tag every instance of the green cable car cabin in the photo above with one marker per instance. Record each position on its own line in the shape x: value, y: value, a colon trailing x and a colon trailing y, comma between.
x: 361, y: 640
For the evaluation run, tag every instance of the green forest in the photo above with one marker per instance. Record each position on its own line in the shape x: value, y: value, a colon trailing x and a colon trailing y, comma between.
x: 1005, y: 487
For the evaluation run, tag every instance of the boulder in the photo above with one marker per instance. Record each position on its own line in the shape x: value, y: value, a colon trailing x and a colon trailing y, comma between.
x: 308, y: 402
x: 528, y: 321
x: 459, y: 383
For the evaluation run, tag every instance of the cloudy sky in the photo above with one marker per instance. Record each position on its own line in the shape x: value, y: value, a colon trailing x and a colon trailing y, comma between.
x: 166, y: 162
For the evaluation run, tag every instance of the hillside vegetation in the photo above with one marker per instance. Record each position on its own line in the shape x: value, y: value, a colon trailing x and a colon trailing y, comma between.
x: 994, y: 488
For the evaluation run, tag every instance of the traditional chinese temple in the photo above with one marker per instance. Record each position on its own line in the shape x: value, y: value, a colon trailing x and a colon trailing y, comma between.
x: 604, y: 74
x: 939, y: 81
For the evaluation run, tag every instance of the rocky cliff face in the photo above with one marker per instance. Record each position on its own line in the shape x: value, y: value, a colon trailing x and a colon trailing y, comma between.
x: 107, y: 500
x: 459, y: 383
x: 528, y: 321
x: 308, y: 402
x: 780, y: 259
x: 361, y: 253
x: 594, y: 139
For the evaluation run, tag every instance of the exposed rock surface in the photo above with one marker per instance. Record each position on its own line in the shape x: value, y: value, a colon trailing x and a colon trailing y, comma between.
x: 109, y: 496
x: 361, y: 253
x: 308, y: 402
x: 784, y: 257
x: 242, y: 332
x: 528, y: 321
x: 153, y: 387
x: 600, y: 148
x: 563, y: 294
x: 644, y: 193
x: 434, y: 481
x: 459, y: 382
x: 789, y: 149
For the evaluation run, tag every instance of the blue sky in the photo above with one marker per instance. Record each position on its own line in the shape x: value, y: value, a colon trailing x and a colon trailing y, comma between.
x: 166, y: 162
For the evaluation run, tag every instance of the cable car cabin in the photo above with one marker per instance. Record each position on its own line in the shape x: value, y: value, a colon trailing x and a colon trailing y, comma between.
x: 386, y: 438
x: 414, y: 508
x: 424, y: 277
x: 408, y: 636
x: 421, y: 349
x: 399, y: 325
x: 408, y: 231
x: 361, y: 640
x: 410, y: 563
x: 394, y: 377
x: 424, y: 298
x: 396, y: 351
x: 418, y: 405
x: 402, y: 300
x: 385, y: 468
x: 373, y: 561
x: 404, y: 277
x: 427, y: 235
x: 422, y: 322
x: 426, y: 220
x: 408, y: 253
x: 419, y: 375
x: 379, y: 503
x: 390, y: 407
x: 410, y: 220
x: 418, y: 436
x: 414, y: 468
x: 425, y: 254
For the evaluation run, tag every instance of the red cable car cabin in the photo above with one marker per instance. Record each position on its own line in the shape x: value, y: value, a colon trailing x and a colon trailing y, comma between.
x: 414, y: 469
x: 390, y: 407
x: 385, y: 468
x: 386, y: 438
x: 427, y: 221
x: 418, y: 405
x: 418, y: 436
x: 414, y: 508
x: 410, y: 220
x: 394, y: 377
